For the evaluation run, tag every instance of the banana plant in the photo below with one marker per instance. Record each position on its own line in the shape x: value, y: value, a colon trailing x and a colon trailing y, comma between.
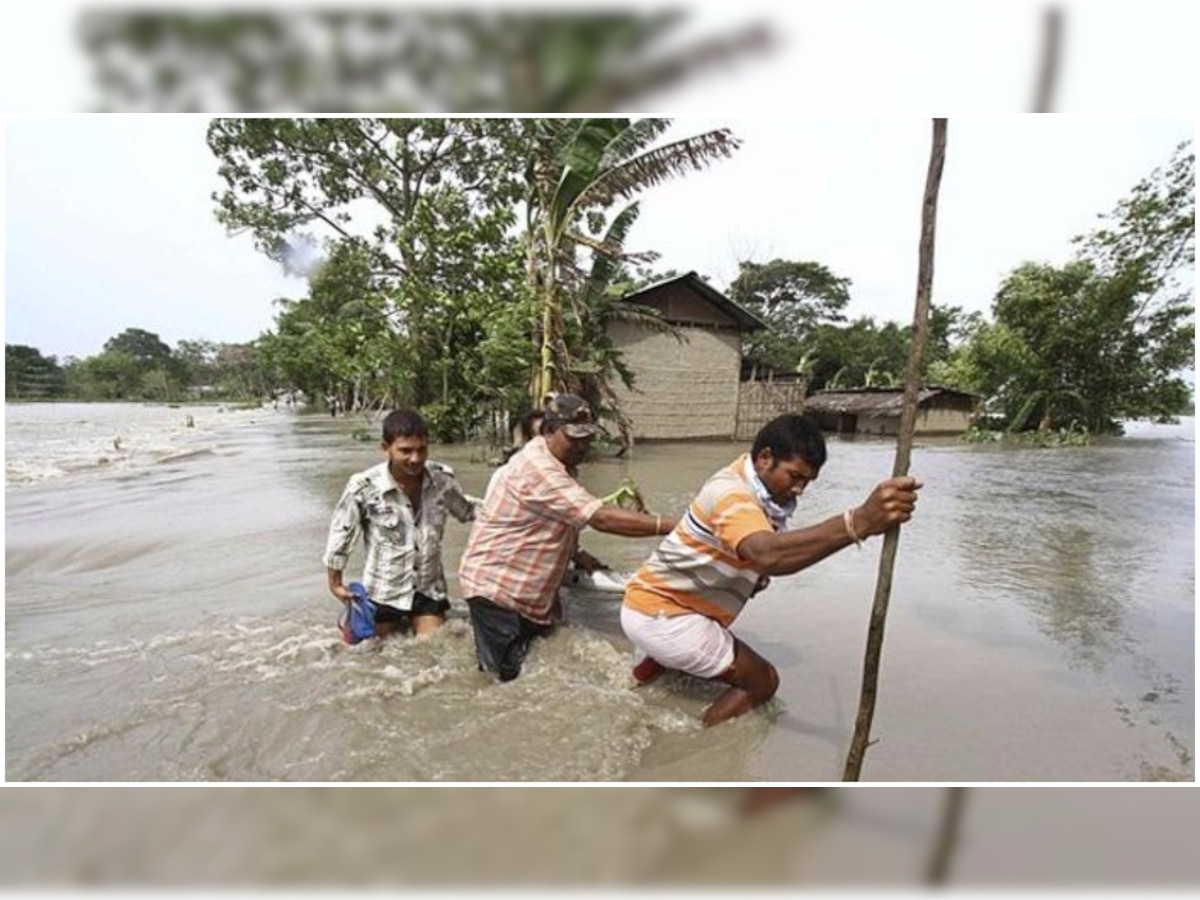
x: 578, y: 170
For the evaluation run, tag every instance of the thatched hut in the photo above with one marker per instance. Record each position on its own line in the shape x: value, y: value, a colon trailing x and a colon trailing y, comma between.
x: 876, y: 410
x: 687, y: 386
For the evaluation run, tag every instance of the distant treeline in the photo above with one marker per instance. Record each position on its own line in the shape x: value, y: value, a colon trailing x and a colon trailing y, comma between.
x: 137, y: 365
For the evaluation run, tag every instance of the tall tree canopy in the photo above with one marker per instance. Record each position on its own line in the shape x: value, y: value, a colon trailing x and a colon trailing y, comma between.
x: 1086, y: 349
x: 147, y: 348
x: 794, y: 298
x: 413, y: 219
x: 1153, y: 228
x: 1106, y: 336
x: 358, y: 178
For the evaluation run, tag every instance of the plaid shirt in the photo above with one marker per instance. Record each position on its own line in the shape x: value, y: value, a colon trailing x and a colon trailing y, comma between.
x: 403, y: 550
x: 525, y: 533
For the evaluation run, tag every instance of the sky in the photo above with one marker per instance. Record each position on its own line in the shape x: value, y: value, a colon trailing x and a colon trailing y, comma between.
x: 109, y: 223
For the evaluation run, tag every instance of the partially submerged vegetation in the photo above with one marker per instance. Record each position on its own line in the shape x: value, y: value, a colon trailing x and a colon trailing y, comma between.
x: 1071, y: 435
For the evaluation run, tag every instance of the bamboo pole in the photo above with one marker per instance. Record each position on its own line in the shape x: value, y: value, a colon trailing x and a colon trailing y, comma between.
x: 908, y: 418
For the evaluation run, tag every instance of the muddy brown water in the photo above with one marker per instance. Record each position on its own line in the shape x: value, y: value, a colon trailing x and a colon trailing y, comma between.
x: 168, y: 621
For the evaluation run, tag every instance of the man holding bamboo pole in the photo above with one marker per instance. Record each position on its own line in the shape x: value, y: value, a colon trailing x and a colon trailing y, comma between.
x: 679, y: 606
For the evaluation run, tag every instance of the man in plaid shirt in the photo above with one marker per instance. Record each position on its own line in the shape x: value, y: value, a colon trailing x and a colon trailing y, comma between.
x: 399, y: 508
x: 526, y: 532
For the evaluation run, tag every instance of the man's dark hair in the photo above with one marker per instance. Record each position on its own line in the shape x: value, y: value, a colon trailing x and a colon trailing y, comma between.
x: 789, y: 436
x: 404, y: 423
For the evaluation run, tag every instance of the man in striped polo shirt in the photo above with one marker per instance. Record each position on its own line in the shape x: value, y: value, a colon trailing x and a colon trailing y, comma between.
x: 526, y: 532
x: 679, y: 605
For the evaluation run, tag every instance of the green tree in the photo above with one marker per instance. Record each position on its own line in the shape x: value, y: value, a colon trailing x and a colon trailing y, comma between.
x: 145, y: 347
x: 434, y: 282
x: 1104, y: 337
x: 420, y: 209
x: 28, y: 375
x: 508, y: 359
x: 469, y: 267
x: 338, y: 339
x: 372, y: 341
x: 196, y: 361
x: 949, y: 329
x: 1097, y: 349
x: 356, y: 178
x: 111, y: 375
x: 793, y: 298
x: 1152, y: 229
x: 856, y: 354
x: 1149, y: 240
x: 158, y: 374
x: 238, y: 372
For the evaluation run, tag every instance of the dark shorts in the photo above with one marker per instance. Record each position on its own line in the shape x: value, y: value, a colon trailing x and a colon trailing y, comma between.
x: 502, y: 637
x: 422, y: 605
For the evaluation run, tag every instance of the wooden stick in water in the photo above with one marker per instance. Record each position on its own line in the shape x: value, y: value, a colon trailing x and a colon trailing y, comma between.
x: 908, y: 418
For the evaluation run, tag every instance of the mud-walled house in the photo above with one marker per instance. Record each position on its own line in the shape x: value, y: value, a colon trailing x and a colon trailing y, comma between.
x: 876, y: 410
x: 686, y: 383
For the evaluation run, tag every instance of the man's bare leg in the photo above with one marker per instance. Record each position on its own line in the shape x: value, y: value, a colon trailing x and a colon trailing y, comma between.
x: 752, y: 682
x: 385, y: 629
x: 427, y: 624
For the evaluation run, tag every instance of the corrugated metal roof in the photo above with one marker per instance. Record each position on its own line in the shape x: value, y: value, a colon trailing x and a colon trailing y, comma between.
x: 881, y: 401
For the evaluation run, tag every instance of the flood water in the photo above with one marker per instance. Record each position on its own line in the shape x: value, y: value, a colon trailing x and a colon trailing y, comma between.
x: 166, y: 619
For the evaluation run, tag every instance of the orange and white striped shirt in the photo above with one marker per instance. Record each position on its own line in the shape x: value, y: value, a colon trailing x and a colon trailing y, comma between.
x: 696, y: 568
x: 525, y: 533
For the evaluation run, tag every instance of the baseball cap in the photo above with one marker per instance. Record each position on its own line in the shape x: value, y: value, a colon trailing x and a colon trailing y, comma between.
x: 572, y: 414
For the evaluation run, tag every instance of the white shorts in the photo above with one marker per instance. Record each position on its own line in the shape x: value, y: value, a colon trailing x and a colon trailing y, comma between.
x: 691, y: 643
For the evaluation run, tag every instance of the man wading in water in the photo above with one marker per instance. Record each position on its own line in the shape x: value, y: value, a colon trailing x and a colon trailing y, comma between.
x: 399, y: 508
x: 526, y: 533
x: 680, y: 604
